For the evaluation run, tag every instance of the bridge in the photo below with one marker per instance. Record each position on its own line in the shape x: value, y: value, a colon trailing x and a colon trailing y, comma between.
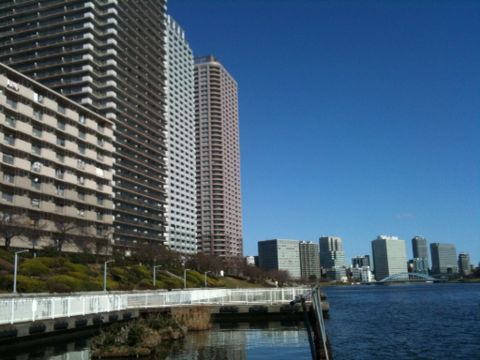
x: 407, y: 277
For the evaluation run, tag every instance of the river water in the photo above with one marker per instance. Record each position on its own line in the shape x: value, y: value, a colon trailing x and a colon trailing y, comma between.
x: 390, y: 322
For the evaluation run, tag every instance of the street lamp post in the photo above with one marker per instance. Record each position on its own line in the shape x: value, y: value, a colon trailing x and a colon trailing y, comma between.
x: 206, y: 283
x: 15, y: 270
x: 105, y: 274
x: 185, y: 278
x: 155, y: 274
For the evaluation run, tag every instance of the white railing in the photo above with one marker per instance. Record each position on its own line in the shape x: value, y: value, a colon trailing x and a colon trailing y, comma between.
x: 30, y: 307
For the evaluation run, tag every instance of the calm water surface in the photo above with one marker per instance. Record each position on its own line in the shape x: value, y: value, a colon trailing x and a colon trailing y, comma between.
x: 391, y: 322
x: 421, y: 321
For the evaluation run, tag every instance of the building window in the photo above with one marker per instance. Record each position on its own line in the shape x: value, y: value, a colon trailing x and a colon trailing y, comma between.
x: 37, y: 132
x: 81, y: 180
x: 60, y: 158
x: 8, y: 159
x: 82, y: 119
x: 11, y: 121
x: 36, y: 203
x: 60, y: 190
x: 6, y: 196
x: 61, y: 109
x: 12, y: 103
x: 38, y: 98
x: 81, y: 149
x: 59, y: 173
x: 60, y: 141
x: 9, y: 139
x: 38, y: 115
x: 82, y: 134
x: 10, y: 178
x: 36, y: 183
x: 61, y: 125
x: 81, y: 196
x: 36, y: 149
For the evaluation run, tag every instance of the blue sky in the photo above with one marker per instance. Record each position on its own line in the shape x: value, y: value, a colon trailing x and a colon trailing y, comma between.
x: 357, y: 118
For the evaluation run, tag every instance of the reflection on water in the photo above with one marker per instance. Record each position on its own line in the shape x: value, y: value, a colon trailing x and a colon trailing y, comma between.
x: 237, y: 341
x: 245, y: 341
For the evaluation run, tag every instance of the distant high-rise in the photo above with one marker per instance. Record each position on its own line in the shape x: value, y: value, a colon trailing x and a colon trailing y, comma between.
x: 280, y: 254
x: 444, y: 258
x: 108, y: 56
x: 309, y: 260
x: 464, y: 264
x: 331, y: 252
x: 181, y: 232
x: 360, y: 261
x: 389, y: 256
x: 219, y: 209
x: 420, y: 251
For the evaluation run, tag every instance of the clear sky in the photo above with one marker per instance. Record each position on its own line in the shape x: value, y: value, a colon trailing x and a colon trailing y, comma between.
x: 357, y: 118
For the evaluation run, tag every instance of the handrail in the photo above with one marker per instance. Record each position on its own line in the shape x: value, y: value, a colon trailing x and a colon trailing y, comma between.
x: 31, y: 307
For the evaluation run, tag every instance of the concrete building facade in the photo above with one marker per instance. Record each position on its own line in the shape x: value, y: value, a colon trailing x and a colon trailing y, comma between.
x: 420, y: 251
x: 464, y: 266
x: 219, y: 210
x: 360, y: 261
x: 309, y: 260
x: 55, y: 169
x: 331, y: 252
x: 444, y: 258
x: 181, y: 216
x: 108, y: 55
x: 389, y: 256
x: 280, y: 254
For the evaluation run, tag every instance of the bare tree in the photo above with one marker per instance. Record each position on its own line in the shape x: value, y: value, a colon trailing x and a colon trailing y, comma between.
x: 11, y: 225
x: 36, y: 226
x: 64, y: 233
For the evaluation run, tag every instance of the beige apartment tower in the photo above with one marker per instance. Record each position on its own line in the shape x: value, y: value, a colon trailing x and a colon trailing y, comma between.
x: 219, y: 209
x: 56, y: 162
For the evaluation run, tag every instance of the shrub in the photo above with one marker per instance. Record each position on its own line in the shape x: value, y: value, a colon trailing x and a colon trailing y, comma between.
x: 64, y: 283
x: 135, y: 335
x: 28, y: 285
x: 34, y: 267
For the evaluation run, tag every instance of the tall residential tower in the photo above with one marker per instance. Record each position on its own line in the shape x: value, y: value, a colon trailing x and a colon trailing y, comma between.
x: 420, y: 254
x: 108, y: 55
x: 219, y: 209
x: 180, y: 160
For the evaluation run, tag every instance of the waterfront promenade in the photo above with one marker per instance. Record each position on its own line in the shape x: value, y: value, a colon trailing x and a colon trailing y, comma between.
x: 35, y: 307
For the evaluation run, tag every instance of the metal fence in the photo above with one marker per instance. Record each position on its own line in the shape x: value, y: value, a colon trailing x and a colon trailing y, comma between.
x: 25, y: 308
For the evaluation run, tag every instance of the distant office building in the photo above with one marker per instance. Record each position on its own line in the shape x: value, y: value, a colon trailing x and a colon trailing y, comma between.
x: 420, y: 265
x: 280, y: 254
x: 219, y: 208
x: 309, y: 260
x: 464, y: 266
x: 180, y: 214
x: 420, y: 251
x: 389, y: 256
x: 360, y: 261
x: 362, y: 274
x: 444, y: 258
x: 331, y: 252
x: 337, y: 273
x: 55, y: 170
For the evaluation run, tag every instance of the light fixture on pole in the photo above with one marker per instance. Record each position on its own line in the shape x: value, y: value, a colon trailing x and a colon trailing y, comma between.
x: 15, y: 270
x: 185, y: 278
x: 155, y: 274
x: 206, y: 283
x: 105, y: 274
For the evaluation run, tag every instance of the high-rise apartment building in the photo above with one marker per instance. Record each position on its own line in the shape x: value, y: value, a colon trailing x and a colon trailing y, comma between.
x: 389, y: 256
x: 181, y: 219
x: 420, y: 251
x: 464, y: 264
x: 55, y: 169
x: 108, y: 55
x: 309, y: 260
x: 331, y: 252
x: 219, y: 210
x: 444, y: 258
x: 280, y: 254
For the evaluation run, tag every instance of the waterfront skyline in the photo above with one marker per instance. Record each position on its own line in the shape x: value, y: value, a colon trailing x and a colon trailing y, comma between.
x: 359, y: 119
